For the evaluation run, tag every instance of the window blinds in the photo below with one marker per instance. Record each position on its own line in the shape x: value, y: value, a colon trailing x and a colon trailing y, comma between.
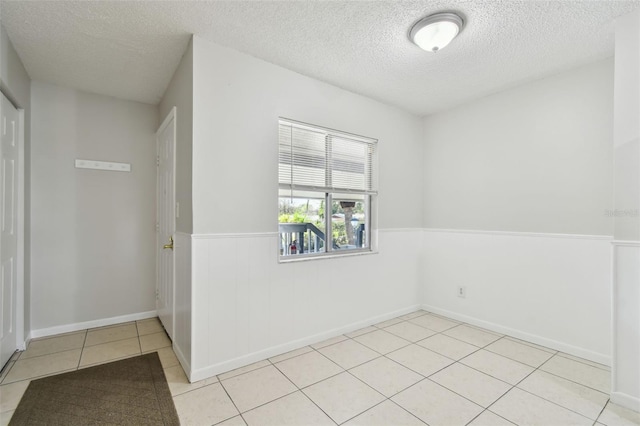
x: 321, y: 160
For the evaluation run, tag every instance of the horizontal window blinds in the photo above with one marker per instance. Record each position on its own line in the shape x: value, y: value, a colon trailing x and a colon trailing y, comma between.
x: 322, y: 160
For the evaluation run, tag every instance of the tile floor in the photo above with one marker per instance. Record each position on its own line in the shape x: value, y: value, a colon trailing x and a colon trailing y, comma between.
x: 417, y: 369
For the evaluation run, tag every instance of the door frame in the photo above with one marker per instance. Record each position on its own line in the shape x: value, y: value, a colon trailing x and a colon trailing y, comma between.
x: 172, y: 115
x: 21, y: 339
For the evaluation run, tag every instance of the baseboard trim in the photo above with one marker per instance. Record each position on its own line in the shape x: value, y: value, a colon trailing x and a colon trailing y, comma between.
x: 67, y: 328
x: 184, y: 362
x: 232, y: 364
x: 626, y: 243
x: 627, y: 401
x: 533, y: 338
x: 521, y: 234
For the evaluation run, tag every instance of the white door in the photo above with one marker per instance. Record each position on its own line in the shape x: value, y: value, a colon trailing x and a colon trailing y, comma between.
x: 9, y: 228
x: 166, y: 220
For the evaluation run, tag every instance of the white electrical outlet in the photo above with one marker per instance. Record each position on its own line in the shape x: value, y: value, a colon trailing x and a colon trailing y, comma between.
x: 462, y: 291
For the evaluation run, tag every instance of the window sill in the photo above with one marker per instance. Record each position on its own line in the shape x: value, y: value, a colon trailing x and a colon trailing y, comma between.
x: 332, y: 255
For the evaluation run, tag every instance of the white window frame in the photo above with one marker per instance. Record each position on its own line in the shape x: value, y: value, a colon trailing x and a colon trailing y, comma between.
x: 369, y: 194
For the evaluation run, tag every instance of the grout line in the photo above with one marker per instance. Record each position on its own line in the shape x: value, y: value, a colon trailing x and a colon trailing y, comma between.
x: 602, y: 411
x: 581, y: 361
x: 506, y: 356
x: 544, y: 399
x: 531, y: 345
x: 567, y: 379
x: 9, y: 366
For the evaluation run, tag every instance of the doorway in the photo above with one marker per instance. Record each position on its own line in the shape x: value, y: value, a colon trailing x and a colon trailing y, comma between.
x: 166, y: 220
x: 11, y: 228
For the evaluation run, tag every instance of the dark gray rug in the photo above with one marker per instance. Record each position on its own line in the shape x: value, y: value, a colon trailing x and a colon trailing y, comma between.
x: 132, y: 391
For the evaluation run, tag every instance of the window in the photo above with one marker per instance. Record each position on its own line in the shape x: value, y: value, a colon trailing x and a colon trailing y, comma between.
x: 326, y: 188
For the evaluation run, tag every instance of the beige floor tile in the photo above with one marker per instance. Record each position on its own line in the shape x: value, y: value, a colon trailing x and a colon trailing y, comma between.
x: 5, y: 417
x: 291, y: 354
x: 435, y: 323
x: 6, y: 370
x: 519, y: 352
x: 579, y: 372
x: 292, y: 410
x: 480, y: 388
x: 409, y: 331
x: 448, y: 346
x: 110, y: 351
x: 585, y: 361
x: 99, y: 336
x: 349, y: 354
x: 149, y: 342
x: 233, y: 421
x: 307, y: 369
x: 10, y: 395
x: 386, y: 376
x: 343, y: 397
x: 257, y: 387
x: 487, y: 418
x: 615, y: 415
x: 388, y: 323
x: 472, y: 335
x: 412, y: 315
x: 178, y: 382
x: 211, y: 380
x: 52, y: 345
x: 328, y: 342
x: 43, y: 366
x: 242, y: 370
x: 420, y: 360
x: 149, y: 326
x: 497, y: 366
x: 361, y: 331
x: 204, y: 406
x: 523, y: 408
x: 167, y: 357
x: 575, y: 397
x: 382, y: 341
x: 533, y: 345
x: 436, y: 405
x: 385, y: 414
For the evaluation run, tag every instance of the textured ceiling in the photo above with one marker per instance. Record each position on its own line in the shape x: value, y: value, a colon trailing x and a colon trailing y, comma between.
x: 131, y: 49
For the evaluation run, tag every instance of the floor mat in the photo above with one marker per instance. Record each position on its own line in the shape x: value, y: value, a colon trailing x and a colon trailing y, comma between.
x: 132, y: 391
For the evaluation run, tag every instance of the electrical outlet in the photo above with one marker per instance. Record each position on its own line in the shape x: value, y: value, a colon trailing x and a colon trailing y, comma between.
x: 462, y: 291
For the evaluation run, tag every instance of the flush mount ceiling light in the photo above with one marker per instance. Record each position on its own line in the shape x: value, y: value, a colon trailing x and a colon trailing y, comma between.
x: 436, y: 31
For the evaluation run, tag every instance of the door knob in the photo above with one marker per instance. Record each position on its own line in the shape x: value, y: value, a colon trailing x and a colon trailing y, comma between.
x: 170, y: 245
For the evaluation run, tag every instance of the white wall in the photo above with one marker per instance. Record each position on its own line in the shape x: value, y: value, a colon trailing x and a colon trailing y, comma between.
x: 16, y: 85
x: 237, y: 102
x: 550, y: 290
x: 246, y: 305
x: 626, y: 266
x: 531, y: 168
x: 179, y: 94
x: 537, y: 158
x: 93, y: 232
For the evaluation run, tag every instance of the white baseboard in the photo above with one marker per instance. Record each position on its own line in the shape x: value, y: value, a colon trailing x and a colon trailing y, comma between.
x: 184, y: 362
x: 67, y: 328
x: 542, y: 341
x: 627, y: 401
x: 223, y: 367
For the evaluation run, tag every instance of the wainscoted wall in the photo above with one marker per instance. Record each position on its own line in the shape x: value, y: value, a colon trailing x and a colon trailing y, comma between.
x: 182, y: 299
x: 625, y: 389
x: 550, y: 289
x: 625, y: 383
x: 247, y: 306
